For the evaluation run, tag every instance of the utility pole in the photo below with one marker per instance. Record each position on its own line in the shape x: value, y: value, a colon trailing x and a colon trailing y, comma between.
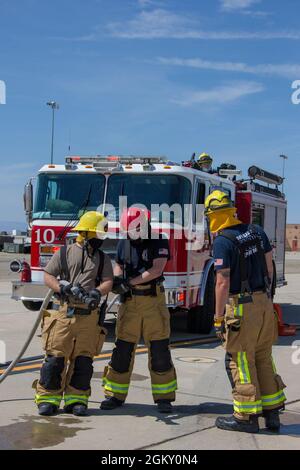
x: 54, y: 105
x: 284, y: 158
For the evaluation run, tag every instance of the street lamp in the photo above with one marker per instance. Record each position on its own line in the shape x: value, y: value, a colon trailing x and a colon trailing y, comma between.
x: 54, y: 105
x: 284, y: 158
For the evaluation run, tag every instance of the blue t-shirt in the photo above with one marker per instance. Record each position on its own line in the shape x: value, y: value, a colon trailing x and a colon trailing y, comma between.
x: 226, y: 255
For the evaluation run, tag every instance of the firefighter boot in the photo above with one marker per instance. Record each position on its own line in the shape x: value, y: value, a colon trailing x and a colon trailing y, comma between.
x: 164, y: 406
x: 110, y: 403
x: 47, y: 409
x: 78, y: 409
x: 272, y: 420
x: 233, y: 424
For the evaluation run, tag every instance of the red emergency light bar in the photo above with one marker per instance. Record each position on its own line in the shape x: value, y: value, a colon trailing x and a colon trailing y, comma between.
x: 122, y: 159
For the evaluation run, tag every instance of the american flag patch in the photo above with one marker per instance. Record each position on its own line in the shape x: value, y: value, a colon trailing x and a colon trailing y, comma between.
x: 163, y: 251
x: 219, y: 262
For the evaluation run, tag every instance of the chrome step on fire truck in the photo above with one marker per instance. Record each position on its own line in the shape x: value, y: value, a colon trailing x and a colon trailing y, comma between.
x: 64, y: 192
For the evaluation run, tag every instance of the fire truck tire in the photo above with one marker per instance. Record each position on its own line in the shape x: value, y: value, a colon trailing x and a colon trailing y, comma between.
x: 31, y: 305
x: 200, y: 319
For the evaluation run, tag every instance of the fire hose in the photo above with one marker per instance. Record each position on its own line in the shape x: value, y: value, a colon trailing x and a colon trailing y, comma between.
x: 33, y: 331
x: 29, y: 338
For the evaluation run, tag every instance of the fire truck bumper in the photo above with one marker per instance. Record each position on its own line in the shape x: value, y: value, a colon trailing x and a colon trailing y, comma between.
x: 175, y: 298
x: 34, y: 291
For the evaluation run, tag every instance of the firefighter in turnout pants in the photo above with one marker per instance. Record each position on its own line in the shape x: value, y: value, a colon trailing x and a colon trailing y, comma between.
x: 138, y: 274
x: 72, y: 331
x: 244, y: 270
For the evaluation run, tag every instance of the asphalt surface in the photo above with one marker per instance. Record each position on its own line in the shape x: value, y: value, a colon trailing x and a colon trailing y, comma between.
x: 204, y: 392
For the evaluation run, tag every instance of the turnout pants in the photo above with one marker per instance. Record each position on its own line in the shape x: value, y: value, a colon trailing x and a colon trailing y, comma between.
x: 149, y: 317
x: 251, y: 329
x: 70, y: 345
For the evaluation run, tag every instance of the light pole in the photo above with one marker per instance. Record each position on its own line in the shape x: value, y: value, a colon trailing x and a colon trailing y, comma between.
x: 284, y: 158
x: 54, y: 105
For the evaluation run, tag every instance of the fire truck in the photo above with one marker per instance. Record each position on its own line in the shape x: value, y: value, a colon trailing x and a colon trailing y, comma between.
x: 64, y: 192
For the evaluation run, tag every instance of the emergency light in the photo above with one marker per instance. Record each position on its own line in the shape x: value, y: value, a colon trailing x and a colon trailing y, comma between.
x: 223, y: 172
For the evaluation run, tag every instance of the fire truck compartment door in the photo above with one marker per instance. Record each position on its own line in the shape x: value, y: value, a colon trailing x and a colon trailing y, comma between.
x: 280, y: 243
x: 270, y: 222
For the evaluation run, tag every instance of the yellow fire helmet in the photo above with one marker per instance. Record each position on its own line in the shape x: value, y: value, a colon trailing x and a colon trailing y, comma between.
x: 93, y: 223
x: 205, y: 158
x: 217, y: 200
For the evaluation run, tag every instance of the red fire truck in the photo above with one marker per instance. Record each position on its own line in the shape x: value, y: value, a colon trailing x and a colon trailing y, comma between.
x: 64, y: 192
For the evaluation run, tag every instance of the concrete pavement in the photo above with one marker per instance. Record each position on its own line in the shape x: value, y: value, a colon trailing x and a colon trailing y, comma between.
x: 203, y: 394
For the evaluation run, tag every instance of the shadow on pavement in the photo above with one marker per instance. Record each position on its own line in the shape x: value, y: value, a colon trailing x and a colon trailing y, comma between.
x: 213, y: 408
x: 143, y: 410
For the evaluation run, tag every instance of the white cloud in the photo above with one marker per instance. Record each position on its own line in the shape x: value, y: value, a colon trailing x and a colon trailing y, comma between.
x: 156, y: 23
x: 237, y: 4
x: 283, y: 70
x: 145, y: 3
x: 220, y: 95
x: 162, y: 24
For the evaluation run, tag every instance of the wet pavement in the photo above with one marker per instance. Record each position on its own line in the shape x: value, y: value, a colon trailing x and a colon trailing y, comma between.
x: 204, y: 393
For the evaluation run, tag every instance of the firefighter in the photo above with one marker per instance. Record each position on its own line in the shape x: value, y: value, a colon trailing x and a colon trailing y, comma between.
x: 140, y: 263
x: 204, y: 163
x: 72, y: 333
x: 244, y: 272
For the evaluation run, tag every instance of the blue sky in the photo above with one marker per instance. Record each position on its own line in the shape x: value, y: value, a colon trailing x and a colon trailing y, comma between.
x: 149, y: 76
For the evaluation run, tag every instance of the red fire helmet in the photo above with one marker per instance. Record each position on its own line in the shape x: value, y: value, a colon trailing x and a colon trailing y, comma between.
x: 134, y: 219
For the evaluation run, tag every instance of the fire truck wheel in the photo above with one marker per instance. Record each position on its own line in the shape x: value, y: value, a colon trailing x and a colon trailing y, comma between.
x: 200, y: 319
x: 31, y: 305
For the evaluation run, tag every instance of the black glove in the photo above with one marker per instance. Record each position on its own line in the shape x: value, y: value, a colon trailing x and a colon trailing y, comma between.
x: 120, y: 286
x: 96, y: 295
x: 78, y: 293
x: 65, y: 290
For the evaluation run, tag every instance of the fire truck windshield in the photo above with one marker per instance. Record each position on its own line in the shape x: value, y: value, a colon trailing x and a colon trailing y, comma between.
x: 148, y: 190
x: 64, y: 196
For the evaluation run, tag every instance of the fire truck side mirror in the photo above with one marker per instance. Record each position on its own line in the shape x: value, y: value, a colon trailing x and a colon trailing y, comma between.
x: 28, y: 200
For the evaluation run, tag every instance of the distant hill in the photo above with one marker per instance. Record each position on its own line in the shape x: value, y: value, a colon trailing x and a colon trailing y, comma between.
x: 7, y: 225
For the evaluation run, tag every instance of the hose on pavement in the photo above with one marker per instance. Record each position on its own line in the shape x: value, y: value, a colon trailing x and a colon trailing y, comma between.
x: 29, y: 338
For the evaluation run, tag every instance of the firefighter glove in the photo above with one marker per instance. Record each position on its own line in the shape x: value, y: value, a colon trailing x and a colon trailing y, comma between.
x: 65, y: 290
x: 220, y: 329
x: 95, y: 294
x: 120, y: 286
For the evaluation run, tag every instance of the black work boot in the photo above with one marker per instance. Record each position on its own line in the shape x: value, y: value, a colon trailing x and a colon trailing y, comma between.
x: 164, y: 406
x: 47, y: 409
x: 233, y: 424
x: 78, y: 409
x: 110, y: 403
x: 272, y: 420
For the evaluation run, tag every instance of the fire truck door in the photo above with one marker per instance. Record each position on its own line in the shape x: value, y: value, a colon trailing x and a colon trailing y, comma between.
x: 199, y: 221
x: 280, y: 243
x: 199, y: 251
x: 269, y: 225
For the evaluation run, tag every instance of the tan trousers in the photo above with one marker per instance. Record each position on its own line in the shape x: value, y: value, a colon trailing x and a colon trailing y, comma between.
x: 148, y: 317
x: 70, y: 345
x: 251, y: 329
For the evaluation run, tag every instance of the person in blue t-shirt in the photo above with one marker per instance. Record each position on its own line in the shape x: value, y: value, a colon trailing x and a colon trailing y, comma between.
x: 244, y: 316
